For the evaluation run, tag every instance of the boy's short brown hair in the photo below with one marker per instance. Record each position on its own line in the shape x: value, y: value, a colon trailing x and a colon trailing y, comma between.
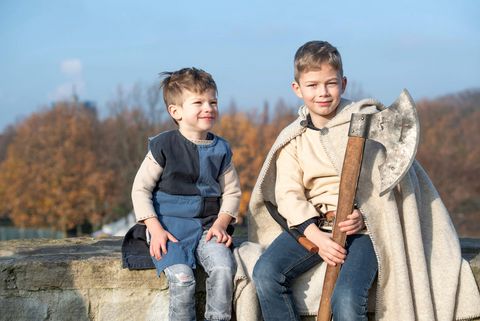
x: 314, y: 53
x: 191, y: 79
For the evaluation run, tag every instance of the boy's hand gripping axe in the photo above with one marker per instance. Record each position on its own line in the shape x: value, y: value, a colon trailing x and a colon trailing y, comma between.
x: 397, y: 129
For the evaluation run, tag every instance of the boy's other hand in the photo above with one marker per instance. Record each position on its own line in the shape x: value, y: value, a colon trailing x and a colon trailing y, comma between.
x: 328, y: 249
x: 353, y: 224
x: 159, y: 239
x: 219, y: 230
x: 158, y: 243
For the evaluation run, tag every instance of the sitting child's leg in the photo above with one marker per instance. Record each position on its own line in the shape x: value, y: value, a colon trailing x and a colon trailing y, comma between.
x: 181, y: 283
x: 283, y: 261
x: 219, y: 264
x: 350, y: 297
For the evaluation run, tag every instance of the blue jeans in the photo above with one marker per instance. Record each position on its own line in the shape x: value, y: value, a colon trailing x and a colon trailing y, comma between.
x: 285, y: 259
x: 218, y: 262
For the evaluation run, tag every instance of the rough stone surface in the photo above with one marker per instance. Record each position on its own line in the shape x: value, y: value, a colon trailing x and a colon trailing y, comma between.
x: 82, y: 279
x: 78, y: 279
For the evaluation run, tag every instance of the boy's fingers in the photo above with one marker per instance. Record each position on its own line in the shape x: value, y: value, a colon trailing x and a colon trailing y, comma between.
x: 347, y: 222
x: 222, y: 237
x: 351, y: 218
x: 351, y: 225
x: 229, y: 241
x: 172, y: 238
x: 348, y: 228
x: 336, y: 247
x: 163, y: 249
x: 326, y: 260
x: 155, y: 250
x: 333, y: 256
x: 219, y: 238
x: 209, y: 235
x: 355, y: 229
x: 329, y: 261
x: 227, y: 238
x: 338, y: 255
x: 336, y: 260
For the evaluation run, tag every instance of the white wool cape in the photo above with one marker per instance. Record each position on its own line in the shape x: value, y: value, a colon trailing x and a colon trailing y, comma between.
x: 421, y: 273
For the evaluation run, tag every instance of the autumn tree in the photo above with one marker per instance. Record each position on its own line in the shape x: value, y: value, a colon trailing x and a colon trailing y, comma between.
x: 450, y: 152
x: 51, y: 176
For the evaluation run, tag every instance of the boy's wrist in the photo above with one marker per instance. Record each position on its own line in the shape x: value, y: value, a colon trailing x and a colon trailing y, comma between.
x: 153, y: 224
x: 223, y: 220
x: 313, y: 232
x: 303, y: 226
x: 311, y: 229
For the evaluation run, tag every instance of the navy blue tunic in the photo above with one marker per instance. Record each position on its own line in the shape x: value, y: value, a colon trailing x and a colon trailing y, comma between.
x: 187, y: 196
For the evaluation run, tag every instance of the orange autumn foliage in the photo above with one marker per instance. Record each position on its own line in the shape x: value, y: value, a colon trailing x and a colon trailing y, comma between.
x: 450, y: 152
x: 51, y: 176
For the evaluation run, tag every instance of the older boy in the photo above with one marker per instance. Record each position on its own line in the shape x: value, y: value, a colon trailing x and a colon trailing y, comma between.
x: 404, y: 236
x: 196, y: 192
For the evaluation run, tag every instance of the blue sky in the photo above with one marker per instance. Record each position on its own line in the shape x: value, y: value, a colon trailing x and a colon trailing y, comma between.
x: 430, y: 47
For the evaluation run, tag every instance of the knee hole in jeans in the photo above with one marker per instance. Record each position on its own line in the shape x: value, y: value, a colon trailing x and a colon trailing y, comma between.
x: 183, y: 279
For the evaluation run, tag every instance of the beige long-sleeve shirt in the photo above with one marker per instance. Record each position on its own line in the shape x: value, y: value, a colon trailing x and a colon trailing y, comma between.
x: 306, y: 179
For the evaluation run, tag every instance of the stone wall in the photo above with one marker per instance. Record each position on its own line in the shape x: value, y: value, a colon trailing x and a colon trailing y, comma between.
x: 82, y: 279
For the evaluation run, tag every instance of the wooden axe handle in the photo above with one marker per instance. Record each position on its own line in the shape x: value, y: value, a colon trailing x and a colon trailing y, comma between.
x: 346, y: 199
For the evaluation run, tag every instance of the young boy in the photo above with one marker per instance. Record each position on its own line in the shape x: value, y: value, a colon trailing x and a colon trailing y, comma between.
x: 187, y: 193
x: 401, y: 238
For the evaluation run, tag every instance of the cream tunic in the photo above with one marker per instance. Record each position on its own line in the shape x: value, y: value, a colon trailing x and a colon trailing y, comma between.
x: 306, y: 179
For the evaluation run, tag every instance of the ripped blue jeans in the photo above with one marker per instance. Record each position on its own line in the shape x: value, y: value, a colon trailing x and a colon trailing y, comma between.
x: 218, y: 262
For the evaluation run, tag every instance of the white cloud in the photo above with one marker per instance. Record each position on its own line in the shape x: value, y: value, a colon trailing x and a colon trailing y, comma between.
x: 72, y: 70
x: 71, y: 67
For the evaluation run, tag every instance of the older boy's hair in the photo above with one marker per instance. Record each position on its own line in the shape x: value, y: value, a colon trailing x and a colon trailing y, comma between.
x: 313, y: 54
x: 191, y: 79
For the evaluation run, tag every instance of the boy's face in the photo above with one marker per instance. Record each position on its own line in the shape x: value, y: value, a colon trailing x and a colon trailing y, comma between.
x: 197, y: 114
x: 321, y: 90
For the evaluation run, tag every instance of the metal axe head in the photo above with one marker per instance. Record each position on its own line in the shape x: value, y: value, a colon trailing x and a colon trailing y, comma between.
x: 397, y: 129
